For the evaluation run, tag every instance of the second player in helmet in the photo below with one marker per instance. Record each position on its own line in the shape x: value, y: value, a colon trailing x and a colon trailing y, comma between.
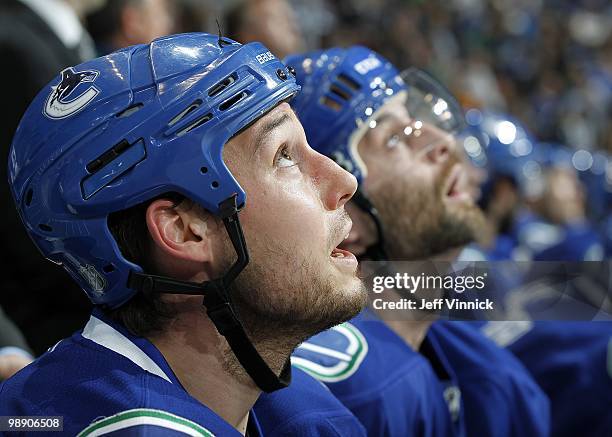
x: 396, y: 133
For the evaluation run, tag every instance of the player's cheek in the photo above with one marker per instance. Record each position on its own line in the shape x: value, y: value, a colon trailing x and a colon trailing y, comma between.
x: 289, y: 212
x: 305, y: 219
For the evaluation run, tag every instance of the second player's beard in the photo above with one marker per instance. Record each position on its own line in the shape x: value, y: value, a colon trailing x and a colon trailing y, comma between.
x: 282, y: 305
x: 418, y: 222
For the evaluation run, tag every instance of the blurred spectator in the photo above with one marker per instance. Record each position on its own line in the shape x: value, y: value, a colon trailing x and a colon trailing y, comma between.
x: 195, y: 16
x: 123, y: 23
x: 272, y: 22
x: 38, y: 39
x: 14, y: 351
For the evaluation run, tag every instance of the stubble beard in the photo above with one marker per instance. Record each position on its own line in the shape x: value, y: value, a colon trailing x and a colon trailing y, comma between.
x: 419, y: 224
x: 282, y: 305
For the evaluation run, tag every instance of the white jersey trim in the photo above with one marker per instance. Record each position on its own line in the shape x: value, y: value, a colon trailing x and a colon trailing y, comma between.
x: 144, y: 417
x: 107, y: 336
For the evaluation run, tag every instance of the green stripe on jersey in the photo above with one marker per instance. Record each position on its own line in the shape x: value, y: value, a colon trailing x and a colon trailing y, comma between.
x: 349, y: 360
x: 145, y: 416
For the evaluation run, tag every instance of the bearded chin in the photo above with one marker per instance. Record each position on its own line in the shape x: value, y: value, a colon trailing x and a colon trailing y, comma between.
x: 298, y: 311
x: 454, y: 229
x: 419, y: 224
x: 281, y: 310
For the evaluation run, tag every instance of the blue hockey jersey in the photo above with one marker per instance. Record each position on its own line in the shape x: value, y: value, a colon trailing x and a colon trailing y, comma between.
x: 304, y: 409
x: 579, y: 242
x: 572, y: 362
x: 104, y: 381
x: 393, y: 390
x: 460, y: 383
x: 500, y: 398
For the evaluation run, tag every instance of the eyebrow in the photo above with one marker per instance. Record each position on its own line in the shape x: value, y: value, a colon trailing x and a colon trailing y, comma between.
x: 388, y: 117
x: 384, y: 117
x: 264, y: 131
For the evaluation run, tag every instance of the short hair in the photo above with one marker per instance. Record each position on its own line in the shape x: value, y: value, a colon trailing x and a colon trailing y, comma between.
x: 145, y: 313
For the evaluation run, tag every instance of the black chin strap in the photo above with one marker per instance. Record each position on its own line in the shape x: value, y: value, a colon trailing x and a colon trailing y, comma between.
x: 219, y: 305
x: 375, y: 252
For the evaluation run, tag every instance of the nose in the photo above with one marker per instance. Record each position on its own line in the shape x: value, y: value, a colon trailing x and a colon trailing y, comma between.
x: 336, y: 185
x: 439, y: 152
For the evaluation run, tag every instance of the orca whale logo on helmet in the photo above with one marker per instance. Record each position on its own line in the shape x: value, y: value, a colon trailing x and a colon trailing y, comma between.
x: 59, y: 105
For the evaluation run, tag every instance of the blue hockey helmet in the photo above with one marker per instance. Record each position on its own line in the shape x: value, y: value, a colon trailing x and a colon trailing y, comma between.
x: 505, y: 147
x: 507, y: 143
x: 122, y: 129
x: 342, y: 90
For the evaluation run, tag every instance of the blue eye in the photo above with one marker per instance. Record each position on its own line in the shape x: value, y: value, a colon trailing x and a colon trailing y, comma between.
x: 393, y: 141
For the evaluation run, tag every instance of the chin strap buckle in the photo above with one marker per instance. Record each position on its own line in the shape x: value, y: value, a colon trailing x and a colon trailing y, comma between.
x: 219, y: 308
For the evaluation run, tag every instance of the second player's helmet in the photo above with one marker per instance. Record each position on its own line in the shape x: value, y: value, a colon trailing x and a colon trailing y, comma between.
x: 342, y: 93
x: 342, y: 90
x: 122, y: 129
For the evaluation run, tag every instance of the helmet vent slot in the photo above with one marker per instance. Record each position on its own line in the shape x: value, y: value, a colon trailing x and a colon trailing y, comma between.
x: 197, y: 123
x: 107, y: 156
x: 109, y: 268
x: 131, y: 110
x: 216, y: 89
x: 195, y: 105
x: 335, y: 89
x: 231, y: 102
x: 111, y: 165
x: 330, y: 103
x: 224, y: 42
x: 44, y: 227
x: 348, y: 82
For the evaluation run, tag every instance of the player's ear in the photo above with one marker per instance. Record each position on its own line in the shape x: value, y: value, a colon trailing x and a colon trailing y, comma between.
x: 180, y: 232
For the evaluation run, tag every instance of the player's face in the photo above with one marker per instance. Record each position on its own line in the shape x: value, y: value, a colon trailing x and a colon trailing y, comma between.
x: 417, y: 180
x: 563, y: 200
x: 293, y: 221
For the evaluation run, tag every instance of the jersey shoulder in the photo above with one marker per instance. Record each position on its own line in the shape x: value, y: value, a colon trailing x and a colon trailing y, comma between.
x: 362, y: 355
x: 98, y: 391
x: 305, y: 408
x: 489, y: 375
x: 376, y: 375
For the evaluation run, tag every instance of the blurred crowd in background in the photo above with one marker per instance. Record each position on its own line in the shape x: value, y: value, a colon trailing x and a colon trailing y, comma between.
x: 544, y: 65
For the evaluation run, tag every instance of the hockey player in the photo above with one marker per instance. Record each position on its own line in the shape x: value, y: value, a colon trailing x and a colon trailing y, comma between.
x: 395, y: 133
x: 570, y: 361
x: 131, y: 171
x: 508, y: 149
x: 532, y: 197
